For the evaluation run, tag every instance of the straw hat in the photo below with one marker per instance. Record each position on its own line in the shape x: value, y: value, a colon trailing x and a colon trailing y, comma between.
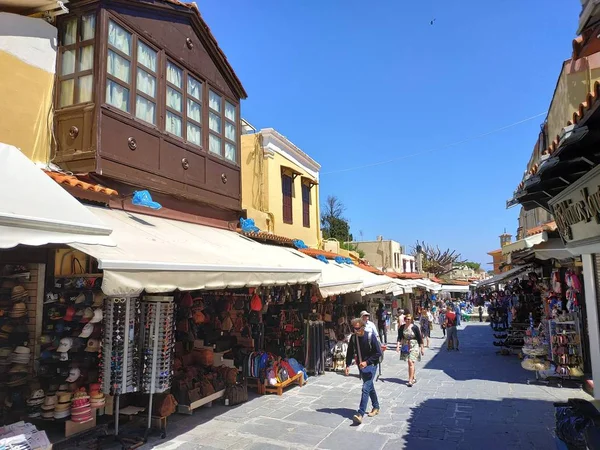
x: 18, y: 292
x: 18, y: 310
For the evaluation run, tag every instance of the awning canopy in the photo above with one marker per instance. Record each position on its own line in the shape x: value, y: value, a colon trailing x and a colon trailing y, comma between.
x: 523, y: 244
x: 454, y: 288
x: 426, y: 283
x: 34, y: 210
x: 162, y: 255
x: 504, y: 276
x: 372, y: 283
x: 337, y: 280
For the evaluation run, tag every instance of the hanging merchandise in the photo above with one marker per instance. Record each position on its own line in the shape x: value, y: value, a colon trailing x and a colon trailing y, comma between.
x: 315, y: 347
x: 556, y: 285
x: 573, y: 291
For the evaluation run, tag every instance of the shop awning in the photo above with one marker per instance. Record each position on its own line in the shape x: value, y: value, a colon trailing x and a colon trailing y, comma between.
x: 162, y: 255
x: 454, y: 288
x: 552, y: 249
x: 505, y: 276
x: 523, y: 244
x: 427, y: 284
x: 34, y: 210
x: 337, y: 280
x: 372, y: 283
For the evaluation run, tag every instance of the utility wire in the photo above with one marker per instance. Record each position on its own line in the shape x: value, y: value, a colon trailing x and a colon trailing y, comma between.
x: 453, y: 144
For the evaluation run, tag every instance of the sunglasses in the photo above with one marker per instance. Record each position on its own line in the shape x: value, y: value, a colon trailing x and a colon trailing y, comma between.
x: 356, y: 330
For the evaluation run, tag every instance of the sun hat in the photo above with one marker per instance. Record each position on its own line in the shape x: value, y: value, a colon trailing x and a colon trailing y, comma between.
x: 80, y: 298
x: 98, y: 299
x: 87, y: 331
x: 365, y: 313
x: 74, y: 375
x: 18, y: 310
x: 64, y: 398
x: 65, y: 344
x: 98, y: 316
x: 19, y: 368
x: 18, y: 292
x: 18, y: 379
x: 93, y: 345
x: 88, y: 314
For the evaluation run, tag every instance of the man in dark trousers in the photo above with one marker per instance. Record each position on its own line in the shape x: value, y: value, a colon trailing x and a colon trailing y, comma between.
x: 382, y: 323
x: 365, y: 349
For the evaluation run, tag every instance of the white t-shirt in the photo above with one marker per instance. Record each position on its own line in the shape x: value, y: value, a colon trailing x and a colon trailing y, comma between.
x: 370, y: 328
x: 429, y: 316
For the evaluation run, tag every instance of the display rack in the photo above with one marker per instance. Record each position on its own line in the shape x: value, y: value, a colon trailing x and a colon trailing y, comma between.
x: 158, y: 340
x: 566, y: 349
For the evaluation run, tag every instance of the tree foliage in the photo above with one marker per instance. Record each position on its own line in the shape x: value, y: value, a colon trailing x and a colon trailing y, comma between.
x: 472, y: 265
x: 436, y: 261
x: 335, y: 226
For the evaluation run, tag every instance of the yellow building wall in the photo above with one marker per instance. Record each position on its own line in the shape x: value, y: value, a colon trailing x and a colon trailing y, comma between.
x: 296, y: 230
x: 27, y: 65
x: 262, y: 195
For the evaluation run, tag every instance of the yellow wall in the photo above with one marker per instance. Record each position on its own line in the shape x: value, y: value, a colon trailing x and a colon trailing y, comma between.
x: 27, y: 65
x: 262, y: 195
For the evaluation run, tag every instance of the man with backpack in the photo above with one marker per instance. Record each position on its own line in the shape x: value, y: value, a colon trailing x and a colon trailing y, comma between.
x: 364, y: 348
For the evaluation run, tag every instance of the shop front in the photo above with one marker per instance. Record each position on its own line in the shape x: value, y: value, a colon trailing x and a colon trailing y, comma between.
x: 577, y: 210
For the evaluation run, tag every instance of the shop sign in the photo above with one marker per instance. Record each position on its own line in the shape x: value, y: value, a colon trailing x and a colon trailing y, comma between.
x: 577, y: 209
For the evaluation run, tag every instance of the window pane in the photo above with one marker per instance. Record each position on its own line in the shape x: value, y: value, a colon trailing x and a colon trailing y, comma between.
x: 194, y: 110
x: 174, y: 99
x: 194, y: 134
x: 118, y: 66
x: 146, y: 56
x: 68, y: 62
x: 70, y: 32
x: 88, y: 27
x: 117, y: 95
x: 119, y: 38
x: 86, y: 58
x: 145, y: 110
x: 85, y: 88
x: 214, y: 122
x: 66, y: 93
x: 230, y: 151
x: 214, y: 101
x: 214, y: 144
x: 146, y: 83
x: 173, y: 124
x: 230, y: 131
x: 174, y: 75
x: 194, y: 88
x: 230, y: 111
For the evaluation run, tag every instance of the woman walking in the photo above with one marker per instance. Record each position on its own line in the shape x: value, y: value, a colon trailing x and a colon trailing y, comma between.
x: 409, y: 337
x: 443, y: 320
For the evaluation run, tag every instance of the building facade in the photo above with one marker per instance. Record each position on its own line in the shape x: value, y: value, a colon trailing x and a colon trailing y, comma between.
x: 387, y: 254
x: 280, y: 186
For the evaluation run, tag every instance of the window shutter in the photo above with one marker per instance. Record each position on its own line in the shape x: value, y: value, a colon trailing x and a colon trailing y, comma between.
x: 286, y: 184
x: 305, y: 206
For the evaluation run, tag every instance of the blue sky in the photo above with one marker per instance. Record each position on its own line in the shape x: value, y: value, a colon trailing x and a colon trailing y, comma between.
x: 354, y: 83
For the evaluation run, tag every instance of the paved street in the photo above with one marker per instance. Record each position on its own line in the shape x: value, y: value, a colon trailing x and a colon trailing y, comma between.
x: 472, y: 399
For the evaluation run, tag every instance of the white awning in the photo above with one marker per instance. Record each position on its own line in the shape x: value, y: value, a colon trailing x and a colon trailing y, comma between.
x: 454, y: 288
x: 35, y: 210
x: 162, y: 255
x: 504, y: 276
x: 336, y: 280
x: 523, y: 244
x: 372, y: 283
x: 552, y: 249
x: 427, y: 284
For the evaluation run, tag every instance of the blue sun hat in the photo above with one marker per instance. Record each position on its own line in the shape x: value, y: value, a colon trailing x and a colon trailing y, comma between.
x: 143, y: 198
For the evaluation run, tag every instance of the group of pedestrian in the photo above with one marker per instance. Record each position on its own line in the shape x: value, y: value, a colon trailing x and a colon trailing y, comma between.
x: 365, y: 346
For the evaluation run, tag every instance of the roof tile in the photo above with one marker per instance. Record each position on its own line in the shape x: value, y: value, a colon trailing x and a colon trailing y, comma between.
x: 549, y: 226
x: 73, y: 181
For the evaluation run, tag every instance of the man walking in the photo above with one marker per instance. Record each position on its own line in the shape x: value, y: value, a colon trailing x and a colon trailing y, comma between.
x: 365, y: 350
x: 451, y: 318
x: 370, y: 327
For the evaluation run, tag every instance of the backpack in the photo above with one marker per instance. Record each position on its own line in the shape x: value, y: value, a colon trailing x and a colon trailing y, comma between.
x: 282, y: 375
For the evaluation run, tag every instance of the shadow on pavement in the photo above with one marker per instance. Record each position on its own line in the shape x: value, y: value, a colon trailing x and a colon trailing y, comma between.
x: 346, y: 413
x: 477, y: 358
x: 456, y: 424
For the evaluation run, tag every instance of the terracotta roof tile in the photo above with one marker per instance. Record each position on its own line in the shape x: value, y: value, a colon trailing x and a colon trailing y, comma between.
x: 436, y: 280
x: 316, y: 252
x: 266, y: 236
x: 410, y: 276
x: 495, y: 251
x: 371, y: 269
x: 549, y: 226
x: 74, y: 181
x: 456, y: 282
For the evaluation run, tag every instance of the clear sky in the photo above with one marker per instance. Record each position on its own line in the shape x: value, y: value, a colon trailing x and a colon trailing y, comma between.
x: 354, y: 83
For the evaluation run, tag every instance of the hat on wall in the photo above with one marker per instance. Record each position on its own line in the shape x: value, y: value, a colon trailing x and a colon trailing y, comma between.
x: 69, y: 314
x: 74, y: 375
x: 98, y: 316
x: 18, y: 293
x: 93, y: 345
x: 19, y: 309
x: 65, y: 344
x: 87, y: 331
x: 98, y: 299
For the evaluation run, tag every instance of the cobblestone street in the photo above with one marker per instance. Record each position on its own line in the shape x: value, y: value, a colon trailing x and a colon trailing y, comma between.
x: 471, y: 399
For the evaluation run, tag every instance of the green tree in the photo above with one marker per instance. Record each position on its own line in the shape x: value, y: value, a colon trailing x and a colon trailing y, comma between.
x: 472, y: 265
x: 335, y: 226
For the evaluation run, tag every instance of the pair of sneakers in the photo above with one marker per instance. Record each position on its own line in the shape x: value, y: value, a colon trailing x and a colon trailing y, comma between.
x: 358, y: 418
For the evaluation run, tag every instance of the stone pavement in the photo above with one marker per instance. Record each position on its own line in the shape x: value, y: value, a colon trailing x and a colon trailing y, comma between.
x: 471, y: 399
